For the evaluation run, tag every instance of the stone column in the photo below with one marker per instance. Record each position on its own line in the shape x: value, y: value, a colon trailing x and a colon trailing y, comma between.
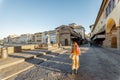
x: 108, y: 40
x: 118, y: 37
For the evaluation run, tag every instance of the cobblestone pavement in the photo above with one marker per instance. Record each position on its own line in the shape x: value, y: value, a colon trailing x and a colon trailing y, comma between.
x: 96, y: 64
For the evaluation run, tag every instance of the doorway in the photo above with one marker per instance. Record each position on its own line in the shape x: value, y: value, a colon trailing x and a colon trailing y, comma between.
x: 66, y: 42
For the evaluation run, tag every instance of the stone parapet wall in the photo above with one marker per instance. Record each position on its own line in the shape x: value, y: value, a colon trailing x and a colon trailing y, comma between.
x: 10, y: 50
x: 27, y: 47
x: 44, y: 45
x: 38, y: 46
x: 55, y: 45
x: 15, y: 49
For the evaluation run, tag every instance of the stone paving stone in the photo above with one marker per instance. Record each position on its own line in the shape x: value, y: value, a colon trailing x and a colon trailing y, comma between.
x: 9, y: 61
x: 10, y: 71
x: 35, y: 61
x: 39, y: 73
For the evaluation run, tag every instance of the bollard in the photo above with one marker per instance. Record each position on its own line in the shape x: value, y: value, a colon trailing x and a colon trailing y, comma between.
x: 4, y: 53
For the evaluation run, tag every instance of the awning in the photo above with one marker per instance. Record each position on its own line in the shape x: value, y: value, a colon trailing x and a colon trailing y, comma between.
x: 101, y: 36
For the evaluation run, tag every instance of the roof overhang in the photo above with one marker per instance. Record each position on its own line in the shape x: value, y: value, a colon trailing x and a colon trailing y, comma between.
x: 101, y: 36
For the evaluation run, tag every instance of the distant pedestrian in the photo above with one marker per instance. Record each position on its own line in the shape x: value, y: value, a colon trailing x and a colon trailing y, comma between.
x: 75, y: 52
x: 51, y: 43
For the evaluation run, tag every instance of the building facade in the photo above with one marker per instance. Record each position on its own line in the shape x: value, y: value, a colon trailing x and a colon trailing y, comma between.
x: 79, y: 29
x: 49, y: 37
x: 9, y: 39
x: 106, y: 29
x: 37, y: 37
x: 26, y: 38
x: 52, y: 35
x: 16, y: 40
x: 63, y: 35
x: 66, y: 33
x: 44, y: 37
x: 1, y: 42
x: 22, y: 39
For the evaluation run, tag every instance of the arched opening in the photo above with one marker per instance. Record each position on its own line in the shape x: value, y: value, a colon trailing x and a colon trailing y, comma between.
x: 111, y: 35
x: 110, y: 24
x: 66, y: 42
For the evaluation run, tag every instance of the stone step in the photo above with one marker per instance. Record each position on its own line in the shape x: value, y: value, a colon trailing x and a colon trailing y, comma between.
x: 60, y: 51
x: 52, y: 48
x: 22, y: 55
x: 13, y: 70
x: 36, y: 60
x: 36, y: 53
x: 9, y: 62
x: 56, y: 50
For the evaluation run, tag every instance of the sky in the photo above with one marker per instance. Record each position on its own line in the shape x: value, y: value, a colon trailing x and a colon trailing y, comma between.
x: 31, y: 16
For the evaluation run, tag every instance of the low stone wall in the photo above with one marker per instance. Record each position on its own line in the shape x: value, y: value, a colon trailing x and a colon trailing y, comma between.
x: 44, y: 46
x: 10, y: 50
x: 38, y: 46
x: 55, y: 45
x: 27, y: 47
x: 17, y: 49
x: 4, y: 53
x: 52, y: 46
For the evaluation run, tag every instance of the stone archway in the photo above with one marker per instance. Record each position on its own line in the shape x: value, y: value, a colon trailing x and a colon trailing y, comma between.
x: 111, y: 34
x: 110, y: 25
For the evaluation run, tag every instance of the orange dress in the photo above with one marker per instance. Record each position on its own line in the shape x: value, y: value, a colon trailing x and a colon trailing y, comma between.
x: 75, y: 58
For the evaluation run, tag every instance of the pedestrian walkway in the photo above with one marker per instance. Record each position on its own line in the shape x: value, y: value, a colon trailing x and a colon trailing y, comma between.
x: 114, y: 50
x: 96, y: 63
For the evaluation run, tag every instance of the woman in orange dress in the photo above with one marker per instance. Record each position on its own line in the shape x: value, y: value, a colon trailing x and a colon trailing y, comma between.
x: 75, y: 58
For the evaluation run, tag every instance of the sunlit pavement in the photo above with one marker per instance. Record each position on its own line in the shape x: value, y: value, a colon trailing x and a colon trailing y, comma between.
x: 96, y: 64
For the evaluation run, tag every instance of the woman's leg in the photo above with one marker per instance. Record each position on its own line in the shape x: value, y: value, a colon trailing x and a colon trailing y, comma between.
x: 76, y: 64
x: 73, y: 64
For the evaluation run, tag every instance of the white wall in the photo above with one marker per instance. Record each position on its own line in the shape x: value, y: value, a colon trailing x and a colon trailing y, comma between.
x: 53, y: 38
